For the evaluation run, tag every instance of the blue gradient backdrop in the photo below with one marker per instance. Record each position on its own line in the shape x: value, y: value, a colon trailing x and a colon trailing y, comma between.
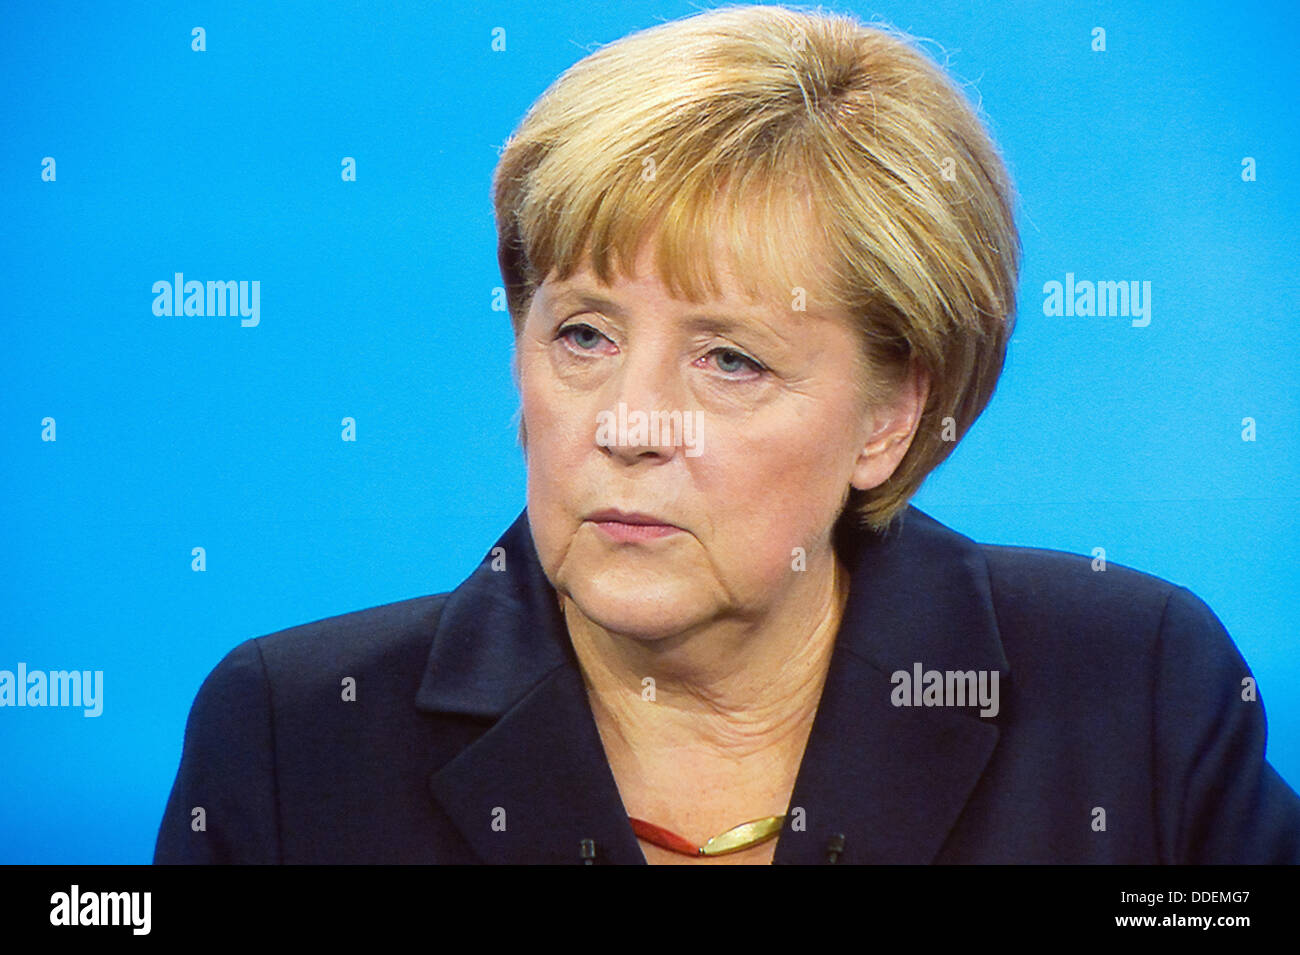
x: 376, y: 304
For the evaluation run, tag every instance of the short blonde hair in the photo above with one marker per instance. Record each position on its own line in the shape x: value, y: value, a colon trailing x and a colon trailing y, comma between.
x: 782, y: 118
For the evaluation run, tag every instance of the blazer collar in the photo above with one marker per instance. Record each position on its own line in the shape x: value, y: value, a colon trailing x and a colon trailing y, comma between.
x: 891, y: 780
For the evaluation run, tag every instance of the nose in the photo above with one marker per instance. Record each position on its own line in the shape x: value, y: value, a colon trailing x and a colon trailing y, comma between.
x: 642, y: 419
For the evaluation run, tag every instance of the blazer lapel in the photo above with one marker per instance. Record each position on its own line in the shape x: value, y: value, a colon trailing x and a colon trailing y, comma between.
x: 536, y: 783
x: 892, y: 780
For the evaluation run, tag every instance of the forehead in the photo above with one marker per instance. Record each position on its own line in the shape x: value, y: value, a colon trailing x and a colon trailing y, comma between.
x: 722, y: 317
x: 746, y: 274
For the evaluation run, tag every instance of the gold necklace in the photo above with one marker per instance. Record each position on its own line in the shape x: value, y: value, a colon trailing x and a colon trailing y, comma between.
x: 737, y: 838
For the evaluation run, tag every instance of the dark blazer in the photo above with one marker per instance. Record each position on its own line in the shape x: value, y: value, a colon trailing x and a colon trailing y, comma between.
x: 470, y: 738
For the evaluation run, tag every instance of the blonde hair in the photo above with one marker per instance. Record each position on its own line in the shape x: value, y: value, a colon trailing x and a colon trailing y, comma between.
x: 778, y: 119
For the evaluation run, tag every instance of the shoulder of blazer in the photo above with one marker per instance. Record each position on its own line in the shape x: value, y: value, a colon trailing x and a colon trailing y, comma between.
x: 1151, y: 672
x: 1104, y: 626
x: 1050, y: 595
x: 388, y: 642
x: 273, y: 717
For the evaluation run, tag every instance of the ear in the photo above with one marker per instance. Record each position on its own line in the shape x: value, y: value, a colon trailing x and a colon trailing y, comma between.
x: 890, y: 429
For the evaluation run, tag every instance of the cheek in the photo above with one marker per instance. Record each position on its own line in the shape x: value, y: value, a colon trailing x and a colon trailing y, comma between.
x: 769, y: 494
x: 542, y: 412
x: 548, y: 497
x: 559, y: 431
x: 559, y: 440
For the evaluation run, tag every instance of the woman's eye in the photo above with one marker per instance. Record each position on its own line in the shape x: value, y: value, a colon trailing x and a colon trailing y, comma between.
x: 732, y: 362
x: 583, y: 337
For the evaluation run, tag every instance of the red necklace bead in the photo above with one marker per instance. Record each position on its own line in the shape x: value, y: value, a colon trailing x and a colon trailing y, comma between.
x: 657, y: 835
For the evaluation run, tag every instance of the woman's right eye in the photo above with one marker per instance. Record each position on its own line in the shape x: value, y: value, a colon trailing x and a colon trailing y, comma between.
x: 583, y: 337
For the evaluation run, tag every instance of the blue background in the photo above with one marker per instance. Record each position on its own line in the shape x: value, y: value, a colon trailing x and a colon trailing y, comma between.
x: 377, y: 304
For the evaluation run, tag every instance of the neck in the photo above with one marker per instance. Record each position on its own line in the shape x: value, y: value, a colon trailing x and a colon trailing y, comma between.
x: 733, y: 689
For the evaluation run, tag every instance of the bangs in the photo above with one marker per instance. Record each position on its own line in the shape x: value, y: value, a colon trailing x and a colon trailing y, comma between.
x: 695, y: 198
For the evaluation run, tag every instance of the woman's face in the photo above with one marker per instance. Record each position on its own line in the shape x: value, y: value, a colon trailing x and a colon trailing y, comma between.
x: 777, y: 433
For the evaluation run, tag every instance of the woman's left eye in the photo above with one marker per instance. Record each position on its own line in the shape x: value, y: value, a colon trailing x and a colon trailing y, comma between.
x: 731, y: 362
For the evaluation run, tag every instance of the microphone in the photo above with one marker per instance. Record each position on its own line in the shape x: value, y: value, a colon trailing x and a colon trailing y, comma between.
x: 834, y: 848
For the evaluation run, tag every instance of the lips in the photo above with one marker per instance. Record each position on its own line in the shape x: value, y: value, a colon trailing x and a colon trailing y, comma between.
x: 631, y: 526
x: 615, y: 516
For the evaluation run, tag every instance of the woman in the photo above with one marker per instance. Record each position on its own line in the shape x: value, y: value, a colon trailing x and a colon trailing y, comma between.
x: 761, y: 267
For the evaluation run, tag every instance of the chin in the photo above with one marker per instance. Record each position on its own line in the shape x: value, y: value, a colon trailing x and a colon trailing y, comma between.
x: 642, y: 607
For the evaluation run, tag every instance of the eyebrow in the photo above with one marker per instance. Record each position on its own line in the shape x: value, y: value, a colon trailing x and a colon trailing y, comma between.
x: 698, y: 321
x: 587, y: 300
